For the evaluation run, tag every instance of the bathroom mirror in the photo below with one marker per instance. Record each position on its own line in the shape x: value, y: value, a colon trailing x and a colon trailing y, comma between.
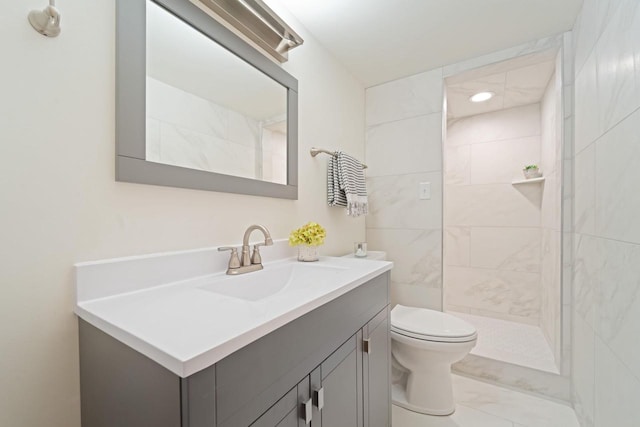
x: 197, y: 107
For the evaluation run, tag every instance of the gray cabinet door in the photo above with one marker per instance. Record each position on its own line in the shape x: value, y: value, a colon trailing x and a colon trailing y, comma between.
x: 336, y: 388
x: 289, y: 410
x: 377, y: 374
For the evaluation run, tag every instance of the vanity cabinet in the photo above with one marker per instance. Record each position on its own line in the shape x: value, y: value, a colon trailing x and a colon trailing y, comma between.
x: 327, y: 368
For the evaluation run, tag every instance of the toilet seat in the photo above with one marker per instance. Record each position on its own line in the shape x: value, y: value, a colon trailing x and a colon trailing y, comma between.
x: 430, y: 325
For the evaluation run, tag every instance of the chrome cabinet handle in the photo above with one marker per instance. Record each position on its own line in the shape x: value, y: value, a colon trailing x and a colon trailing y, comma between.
x: 318, y: 396
x: 307, y: 411
x: 366, y: 345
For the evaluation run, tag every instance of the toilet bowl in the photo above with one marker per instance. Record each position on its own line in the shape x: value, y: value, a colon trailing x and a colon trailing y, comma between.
x: 425, y: 343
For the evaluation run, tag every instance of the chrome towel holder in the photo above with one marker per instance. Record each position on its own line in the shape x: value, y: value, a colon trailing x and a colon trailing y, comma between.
x: 315, y: 151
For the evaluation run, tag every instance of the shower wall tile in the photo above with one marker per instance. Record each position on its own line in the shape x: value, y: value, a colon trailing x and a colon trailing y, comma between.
x: 152, y: 140
x: 606, y: 353
x: 616, y: 392
x: 618, y: 314
x: 416, y: 296
x: 585, y: 191
x: 617, y: 89
x: 536, y: 46
x: 416, y: 254
x: 493, y: 205
x: 587, y: 121
x: 412, y: 96
x: 512, y: 293
x: 506, y: 124
x: 502, y: 161
x: 405, y: 146
x: 617, y: 174
x: 169, y: 104
x: 394, y: 202
x: 458, y: 165
x: 457, y: 242
x: 583, y: 366
x: 505, y: 248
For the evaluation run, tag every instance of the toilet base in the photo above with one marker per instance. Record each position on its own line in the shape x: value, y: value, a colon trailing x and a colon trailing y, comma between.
x: 399, y: 398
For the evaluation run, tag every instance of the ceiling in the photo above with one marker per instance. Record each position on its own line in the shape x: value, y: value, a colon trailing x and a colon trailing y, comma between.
x: 516, y: 82
x: 383, y: 40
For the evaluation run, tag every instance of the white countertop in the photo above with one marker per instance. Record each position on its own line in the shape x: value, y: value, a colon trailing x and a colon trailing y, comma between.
x: 186, y: 327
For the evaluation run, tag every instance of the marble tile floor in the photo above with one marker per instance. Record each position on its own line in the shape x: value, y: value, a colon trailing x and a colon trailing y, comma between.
x: 485, y: 405
x: 511, y: 342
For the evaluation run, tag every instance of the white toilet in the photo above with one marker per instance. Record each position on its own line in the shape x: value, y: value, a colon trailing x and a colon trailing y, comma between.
x: 425, y: 343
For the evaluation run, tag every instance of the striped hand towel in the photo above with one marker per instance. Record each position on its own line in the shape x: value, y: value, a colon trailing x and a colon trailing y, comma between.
x: 346, y: 184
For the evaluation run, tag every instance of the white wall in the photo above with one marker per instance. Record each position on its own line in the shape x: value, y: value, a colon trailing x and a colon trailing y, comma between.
x: 60, y: 203
x: 403, y: 149
x: 606, y: 295
x: 492, y: 228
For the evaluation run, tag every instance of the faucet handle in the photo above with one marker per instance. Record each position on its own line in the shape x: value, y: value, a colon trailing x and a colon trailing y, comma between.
x: 255, y: 257
x: 234, y: 261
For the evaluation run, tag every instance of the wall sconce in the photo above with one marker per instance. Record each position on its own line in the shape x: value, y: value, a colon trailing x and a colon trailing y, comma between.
x: 46, y: 21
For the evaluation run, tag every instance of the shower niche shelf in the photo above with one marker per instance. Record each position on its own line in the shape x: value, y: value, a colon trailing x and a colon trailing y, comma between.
x: 528, y: 181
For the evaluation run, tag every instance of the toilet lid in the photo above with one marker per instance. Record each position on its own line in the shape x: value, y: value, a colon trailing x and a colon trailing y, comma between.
x: 430, y: 325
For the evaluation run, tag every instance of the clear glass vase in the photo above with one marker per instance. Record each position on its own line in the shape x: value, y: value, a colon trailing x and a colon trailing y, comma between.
x: 307, y: 253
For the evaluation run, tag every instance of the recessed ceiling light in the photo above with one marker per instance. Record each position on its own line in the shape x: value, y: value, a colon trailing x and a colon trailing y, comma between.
x: 482, y: 96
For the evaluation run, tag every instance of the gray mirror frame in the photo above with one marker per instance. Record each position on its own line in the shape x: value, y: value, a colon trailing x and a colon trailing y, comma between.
x: 131, y: 165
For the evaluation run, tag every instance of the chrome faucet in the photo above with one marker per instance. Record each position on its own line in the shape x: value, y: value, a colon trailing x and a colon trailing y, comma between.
x: 248, y: 263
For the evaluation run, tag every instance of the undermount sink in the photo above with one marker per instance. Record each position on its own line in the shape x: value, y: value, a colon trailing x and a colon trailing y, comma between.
x: 274, y: 279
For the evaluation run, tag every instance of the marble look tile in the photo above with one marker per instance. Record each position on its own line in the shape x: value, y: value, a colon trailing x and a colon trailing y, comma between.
x: 458, y: 95
x: 515, y: 376
x: 567, y: 58
x: 416, y: 296
x: 505, y: 248
x: 186, y: 148
x: 586, y: 268
x: 152, y: 140
x: 243, y: 130
x: 394, y: 202
x: 550, y: 216
x: 456, y: 246
x: 585, y: 33
x: 404, y: 98
x: 550, y: 299
x: 493, y: 205
x: 583, y: 370
x: 568, y: 143
x: 457, y: 165
x: 510, y: 292
x: 526, y: 85
x: 518, y: 407
x: 617, y: 91
x: 417, y: 254
x: 502, y: 161
x: 462, y: 417
x: 617, y: 202
x: 539, y: 46
x: 505, y: 124
x: 585, y: 191
x: 617, y: 394
x: 618, y: 314
x: 174, y: 106
x: 587, y: 122
x: 405, y: 146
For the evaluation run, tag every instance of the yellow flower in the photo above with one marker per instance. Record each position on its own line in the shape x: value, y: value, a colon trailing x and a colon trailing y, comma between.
x: 311, y: 234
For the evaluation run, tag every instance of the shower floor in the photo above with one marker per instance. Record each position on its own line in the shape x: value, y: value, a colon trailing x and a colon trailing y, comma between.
x: 511, y: 342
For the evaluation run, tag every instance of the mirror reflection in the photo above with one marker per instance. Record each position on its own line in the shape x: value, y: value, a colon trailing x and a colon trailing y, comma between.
x: 209, y: 110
